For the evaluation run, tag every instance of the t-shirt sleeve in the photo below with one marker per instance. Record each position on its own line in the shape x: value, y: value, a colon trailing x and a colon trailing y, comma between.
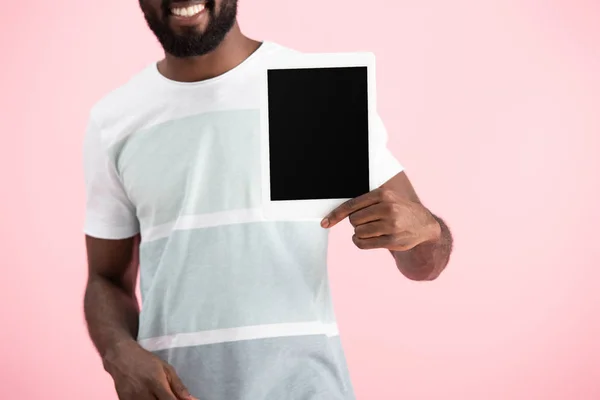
x: 385, y: 165
x: 109, y: 214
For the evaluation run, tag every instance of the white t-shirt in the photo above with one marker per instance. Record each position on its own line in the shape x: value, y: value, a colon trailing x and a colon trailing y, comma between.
x: 239, y: 306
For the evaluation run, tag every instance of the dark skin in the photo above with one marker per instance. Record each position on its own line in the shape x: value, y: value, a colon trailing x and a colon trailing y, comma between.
x: 390, y: 217
x: 110, y: 305
x: 234, y: 49
x: 112, y: 314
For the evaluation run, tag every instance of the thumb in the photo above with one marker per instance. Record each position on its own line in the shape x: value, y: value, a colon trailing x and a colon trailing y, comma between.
x: 177, y: 386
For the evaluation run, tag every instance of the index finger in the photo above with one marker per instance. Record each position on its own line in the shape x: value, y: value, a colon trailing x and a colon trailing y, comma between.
x: 162, y: 391
x: 350, y: 206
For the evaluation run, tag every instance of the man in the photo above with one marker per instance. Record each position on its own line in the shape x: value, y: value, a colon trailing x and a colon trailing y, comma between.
x: 235, y: 307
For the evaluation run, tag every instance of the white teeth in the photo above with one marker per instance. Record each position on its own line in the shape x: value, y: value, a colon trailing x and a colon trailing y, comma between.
x: 188, y: 11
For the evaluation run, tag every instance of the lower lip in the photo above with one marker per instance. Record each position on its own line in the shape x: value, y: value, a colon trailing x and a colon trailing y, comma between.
x: 193, y: 20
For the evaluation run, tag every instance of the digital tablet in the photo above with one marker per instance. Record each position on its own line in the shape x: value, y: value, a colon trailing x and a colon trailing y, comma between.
x: 316, y: 114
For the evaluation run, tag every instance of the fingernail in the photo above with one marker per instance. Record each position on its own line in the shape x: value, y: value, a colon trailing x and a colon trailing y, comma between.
x: 325, y: 223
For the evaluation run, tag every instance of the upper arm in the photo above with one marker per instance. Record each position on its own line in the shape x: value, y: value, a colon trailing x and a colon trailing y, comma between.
x: 111, y: 226
x: 384, y: 164
x: 114, y: 260
x: 388, y: 171
x: 109, y: 213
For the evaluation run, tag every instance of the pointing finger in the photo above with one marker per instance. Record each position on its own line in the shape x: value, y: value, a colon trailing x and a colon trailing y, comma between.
x: 350, y: 206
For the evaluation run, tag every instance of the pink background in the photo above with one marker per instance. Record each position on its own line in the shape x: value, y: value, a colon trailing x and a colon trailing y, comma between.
x: 493, y: 107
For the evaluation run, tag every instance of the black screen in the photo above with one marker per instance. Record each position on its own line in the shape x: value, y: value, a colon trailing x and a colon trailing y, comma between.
x: 318, y: 133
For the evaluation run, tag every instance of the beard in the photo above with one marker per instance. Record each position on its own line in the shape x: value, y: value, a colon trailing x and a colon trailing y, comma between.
x: 191, y: 42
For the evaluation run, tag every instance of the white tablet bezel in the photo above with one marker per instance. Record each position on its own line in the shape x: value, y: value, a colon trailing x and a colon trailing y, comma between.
x: 311, y: 209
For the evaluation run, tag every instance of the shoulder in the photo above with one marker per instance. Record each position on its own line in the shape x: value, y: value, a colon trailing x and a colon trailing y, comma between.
x: 118, y: 110
x: 275, y: 50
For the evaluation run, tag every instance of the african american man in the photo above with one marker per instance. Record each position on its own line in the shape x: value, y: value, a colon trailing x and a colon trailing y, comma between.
x: 234, y: 307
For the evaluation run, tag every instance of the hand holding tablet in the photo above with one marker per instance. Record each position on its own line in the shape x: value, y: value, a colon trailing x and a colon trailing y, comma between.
x: 316, y: 114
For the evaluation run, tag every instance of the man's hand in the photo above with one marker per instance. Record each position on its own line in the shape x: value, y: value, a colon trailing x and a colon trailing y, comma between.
x: 384, y: 219
x: 140, y: 375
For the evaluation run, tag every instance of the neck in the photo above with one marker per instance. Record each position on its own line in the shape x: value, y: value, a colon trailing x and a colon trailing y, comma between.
x: 232, y: 51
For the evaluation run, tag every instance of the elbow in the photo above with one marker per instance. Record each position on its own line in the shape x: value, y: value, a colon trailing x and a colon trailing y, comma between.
x: 426, y: 273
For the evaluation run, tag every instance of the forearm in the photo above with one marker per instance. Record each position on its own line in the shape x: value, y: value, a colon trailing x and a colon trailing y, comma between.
x: 112, y: 315
x: 426, y: 261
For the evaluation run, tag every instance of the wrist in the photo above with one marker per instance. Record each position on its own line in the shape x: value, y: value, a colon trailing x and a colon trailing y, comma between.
x: 115, y: 353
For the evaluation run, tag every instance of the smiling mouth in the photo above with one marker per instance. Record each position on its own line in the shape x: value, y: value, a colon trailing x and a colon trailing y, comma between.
x: 187, y: 10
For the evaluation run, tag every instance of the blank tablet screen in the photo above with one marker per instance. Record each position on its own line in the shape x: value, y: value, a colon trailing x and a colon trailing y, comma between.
x: 318, y: 133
